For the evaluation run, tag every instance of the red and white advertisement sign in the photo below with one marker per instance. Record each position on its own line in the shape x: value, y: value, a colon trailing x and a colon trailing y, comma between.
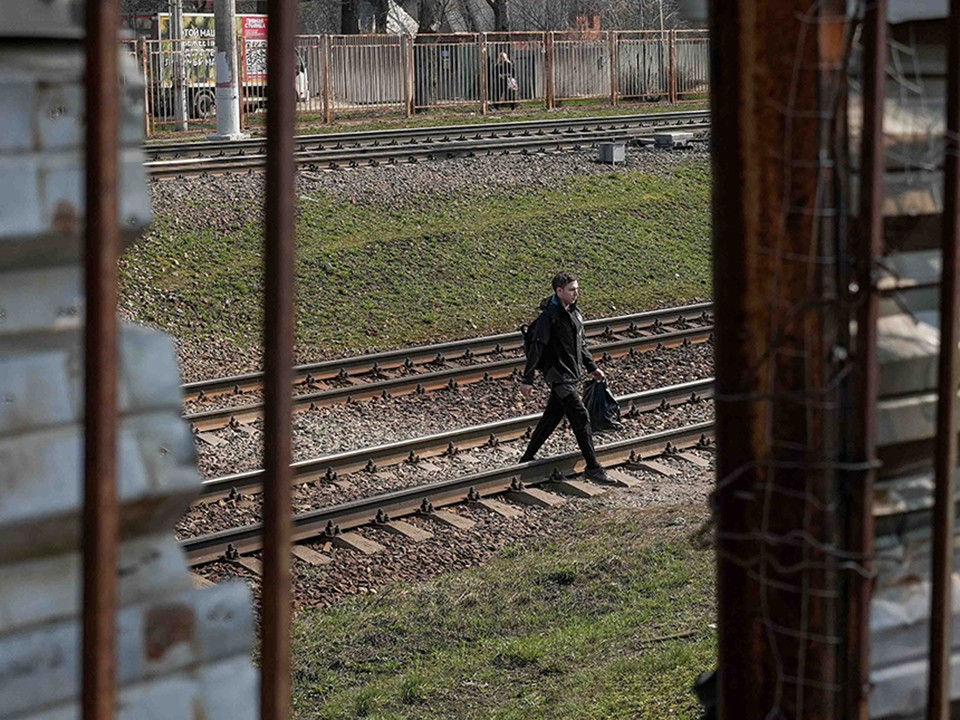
x: 253, y: 30
x: 254, y: 27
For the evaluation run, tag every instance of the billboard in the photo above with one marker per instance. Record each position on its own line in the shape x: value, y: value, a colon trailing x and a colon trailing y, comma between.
x: 199, y: 46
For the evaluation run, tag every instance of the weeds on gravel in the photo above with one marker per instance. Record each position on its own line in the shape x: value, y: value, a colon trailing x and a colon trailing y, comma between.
x: 611, y: 622
x: 377, y: 277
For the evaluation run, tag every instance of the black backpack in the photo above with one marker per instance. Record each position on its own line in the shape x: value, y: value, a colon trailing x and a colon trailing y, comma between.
x: 529, y: 332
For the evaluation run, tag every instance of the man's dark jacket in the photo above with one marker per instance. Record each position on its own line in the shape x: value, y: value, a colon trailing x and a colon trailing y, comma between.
x: 560, y: 341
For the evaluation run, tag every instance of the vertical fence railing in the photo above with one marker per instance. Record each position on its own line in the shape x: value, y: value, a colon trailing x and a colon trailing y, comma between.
x: 343, y: 75
x: 310, y: 74
x: 101, y: 513
x: 521, y: 56
x: 866, y: 381
x: 446, y: 71
x: 690, y: 69
x: 948, y: 375
x: 367, y: 73
x: 642, y: 70
x: 581, y: 66
x: 278, y: 300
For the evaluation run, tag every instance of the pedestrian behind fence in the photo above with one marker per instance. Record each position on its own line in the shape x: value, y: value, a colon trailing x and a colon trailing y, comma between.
x: 555, y: 345
x: 507, y: 86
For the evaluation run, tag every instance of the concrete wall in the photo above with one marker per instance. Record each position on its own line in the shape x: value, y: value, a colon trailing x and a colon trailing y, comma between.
x: 182, y: 652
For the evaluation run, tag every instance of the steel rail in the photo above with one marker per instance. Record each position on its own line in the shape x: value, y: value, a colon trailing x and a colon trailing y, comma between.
x: 328, y: 522
x: 437, y: 132
x: 454, y: 350
x: 329, y: 467
x: 420, y: 383
x: 374, y: 155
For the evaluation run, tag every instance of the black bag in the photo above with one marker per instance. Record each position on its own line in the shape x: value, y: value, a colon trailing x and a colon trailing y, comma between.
x: 602, y: 406
x: 529, y: 332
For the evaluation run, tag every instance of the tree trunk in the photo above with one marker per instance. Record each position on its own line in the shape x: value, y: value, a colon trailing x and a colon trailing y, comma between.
x: 429, y: 16
x: 501, y: 19
x: 380, y: 8
x: 349, y: 18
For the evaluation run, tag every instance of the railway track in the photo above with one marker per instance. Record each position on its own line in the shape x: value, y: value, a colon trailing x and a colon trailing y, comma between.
x: 387, y: 509
x: 376, y: 363
x: 372, y: 459
x: 408, y: 145
x: 209, y: 420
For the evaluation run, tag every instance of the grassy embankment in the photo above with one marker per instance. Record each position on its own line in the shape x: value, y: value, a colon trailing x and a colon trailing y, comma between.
x: 612, y: 622
x: 468, y: 264
x: 573, y: 629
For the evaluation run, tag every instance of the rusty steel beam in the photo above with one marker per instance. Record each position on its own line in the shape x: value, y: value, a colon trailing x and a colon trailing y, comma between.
x: 948, y: 376
x: 738, y: 644
x: 279, y: 297
x: 771, y: 96
x: 869, y: 245
x: 101, y: 520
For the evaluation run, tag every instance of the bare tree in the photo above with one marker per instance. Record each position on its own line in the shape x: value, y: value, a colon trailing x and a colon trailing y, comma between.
x: 614, y: 14
x: 431, y: 17
x: 501, y: 17
x: 380, y: 10
x: 349, y: 17
x: 319, y: 17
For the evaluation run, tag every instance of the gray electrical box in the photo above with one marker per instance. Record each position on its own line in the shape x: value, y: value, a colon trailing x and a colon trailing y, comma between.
x: 612, y: 152
x: 668, y: 141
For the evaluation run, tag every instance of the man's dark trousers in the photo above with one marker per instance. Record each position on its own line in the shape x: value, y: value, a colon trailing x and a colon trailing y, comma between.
x: 565, y: 400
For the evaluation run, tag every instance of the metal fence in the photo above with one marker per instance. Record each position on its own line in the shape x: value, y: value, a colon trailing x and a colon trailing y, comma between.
x: 342, y: 75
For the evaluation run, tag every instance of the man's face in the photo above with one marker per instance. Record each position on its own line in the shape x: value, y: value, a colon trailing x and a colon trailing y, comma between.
x: 568, y: 294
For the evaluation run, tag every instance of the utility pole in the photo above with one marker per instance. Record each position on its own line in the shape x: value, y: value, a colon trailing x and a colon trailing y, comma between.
x: 179, y: 67
x: 228, y: 85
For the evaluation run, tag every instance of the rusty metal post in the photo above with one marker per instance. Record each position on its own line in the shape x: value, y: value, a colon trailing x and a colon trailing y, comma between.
x: 484, y: 90
x: 548, y: 70
x: 671, y: 38
x: 327, y: 89
x: 101, y: 514
x: 279, y: 295
x: 142, y: 45
x: 242, y: 63
x: 739, y: 652
x: 405, y: 64
x: 774, y: 416
x: 869, y: 244
x: 948, y: 376
x: 614, y: 69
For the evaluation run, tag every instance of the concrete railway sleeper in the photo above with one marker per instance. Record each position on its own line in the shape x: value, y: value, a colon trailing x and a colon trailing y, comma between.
x: 330, y: 467
x: 520, y: 482
x: 374, y: 363
x: 451, y: 378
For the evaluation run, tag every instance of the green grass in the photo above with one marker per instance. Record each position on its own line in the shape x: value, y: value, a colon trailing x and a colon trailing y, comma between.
x: 313, y: 123
x: 369, y: 276
x: 580, y: 629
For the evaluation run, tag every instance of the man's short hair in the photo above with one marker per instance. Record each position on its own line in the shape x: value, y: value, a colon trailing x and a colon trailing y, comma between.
x: 562, y: 279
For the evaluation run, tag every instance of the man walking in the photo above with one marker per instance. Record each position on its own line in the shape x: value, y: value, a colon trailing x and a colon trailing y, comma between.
x: 559, y: 349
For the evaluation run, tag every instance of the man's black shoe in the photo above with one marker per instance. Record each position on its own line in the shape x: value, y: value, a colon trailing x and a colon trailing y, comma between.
x: 598, y: 474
